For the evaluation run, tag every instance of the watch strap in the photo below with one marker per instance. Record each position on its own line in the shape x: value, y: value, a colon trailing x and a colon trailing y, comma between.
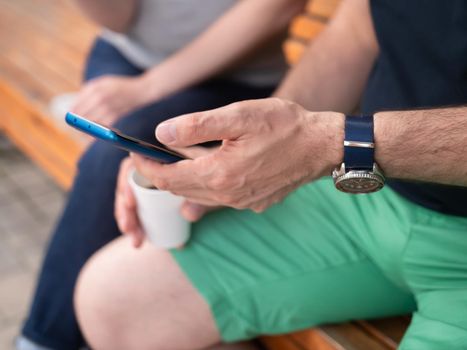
x: 359, y: 152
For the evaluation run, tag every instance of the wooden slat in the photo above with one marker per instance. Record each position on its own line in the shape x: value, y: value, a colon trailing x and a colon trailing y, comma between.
x: 43, y: 46
x: 35, y: 134
x: 283, y: 342
x: 347, y: 336
x: 306, y: 28
x: 351, y: 337
x: 293, y: 50
x: 388, y: 331
x: 55, y: 54
x: 314, y: 339
x: 46, y: 49
x: 57, y: 19
x: 322, y: 8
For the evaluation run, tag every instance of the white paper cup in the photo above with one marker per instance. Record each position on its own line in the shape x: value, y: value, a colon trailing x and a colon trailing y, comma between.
x: 159, y: 214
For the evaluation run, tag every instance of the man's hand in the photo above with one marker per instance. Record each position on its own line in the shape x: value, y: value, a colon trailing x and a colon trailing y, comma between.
x: 125, y: 207
x: 270, y: 147
x: 109, y: 98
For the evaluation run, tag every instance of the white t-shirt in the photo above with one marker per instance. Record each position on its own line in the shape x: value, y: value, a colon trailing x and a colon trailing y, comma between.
x: 164, y: 26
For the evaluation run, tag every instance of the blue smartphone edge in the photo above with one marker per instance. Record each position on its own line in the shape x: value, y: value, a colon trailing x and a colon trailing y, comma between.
x: 90, y: 127
x: 126, y: 143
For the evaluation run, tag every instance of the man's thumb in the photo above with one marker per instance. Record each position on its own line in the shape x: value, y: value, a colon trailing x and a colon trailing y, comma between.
x: 191, y: 129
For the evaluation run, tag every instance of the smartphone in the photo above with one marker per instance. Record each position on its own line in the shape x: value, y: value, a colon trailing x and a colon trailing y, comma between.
x: 130, y: 144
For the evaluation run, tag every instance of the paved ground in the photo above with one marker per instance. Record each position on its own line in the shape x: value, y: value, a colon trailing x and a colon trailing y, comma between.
x: 29, y: 205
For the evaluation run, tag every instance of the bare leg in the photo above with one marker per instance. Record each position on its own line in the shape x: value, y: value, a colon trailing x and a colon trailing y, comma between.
x: 140, y: 299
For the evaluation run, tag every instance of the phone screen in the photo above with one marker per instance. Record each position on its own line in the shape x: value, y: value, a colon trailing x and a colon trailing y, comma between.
x: 157, y: 146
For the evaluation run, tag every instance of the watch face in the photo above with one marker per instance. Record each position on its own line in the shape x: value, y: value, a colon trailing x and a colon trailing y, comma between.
x: 358, y: 182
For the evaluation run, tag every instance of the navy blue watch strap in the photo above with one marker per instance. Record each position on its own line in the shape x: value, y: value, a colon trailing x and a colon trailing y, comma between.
x: 359, y: 143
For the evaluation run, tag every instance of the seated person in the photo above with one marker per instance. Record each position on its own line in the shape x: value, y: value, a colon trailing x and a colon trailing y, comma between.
x: 157, y: 59
x: 299, y: 253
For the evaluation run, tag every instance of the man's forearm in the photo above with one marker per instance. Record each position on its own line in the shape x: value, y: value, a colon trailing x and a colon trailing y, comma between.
x: 334, y: 69
x: 116, y: 15
x: 424, y: 145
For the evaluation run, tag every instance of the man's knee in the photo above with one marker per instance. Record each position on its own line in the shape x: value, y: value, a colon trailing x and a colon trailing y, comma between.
x: 95, y: 299
x: 137, y: 299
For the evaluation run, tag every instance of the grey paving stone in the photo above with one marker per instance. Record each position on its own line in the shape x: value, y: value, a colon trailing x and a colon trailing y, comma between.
x: 13, y: 209
x: 41, y: 238
x: 8, y: 193
x: 49, y: 204
x: 17, y: 217
x: 29, y: 180
x: 14, y: 164
x: 5, y: 144
x: 19, y: 243
x: 9, y: 262
x: 15, y: 293
x: 25, y: 226
x: 37, y: 190
x: 26, y: 245
x: 32, y: 262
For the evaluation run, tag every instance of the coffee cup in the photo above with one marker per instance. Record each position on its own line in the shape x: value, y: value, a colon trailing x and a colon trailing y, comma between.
x: 159, y: 213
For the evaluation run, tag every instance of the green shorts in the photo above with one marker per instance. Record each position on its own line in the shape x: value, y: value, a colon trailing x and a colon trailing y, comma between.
x: 322, y: 256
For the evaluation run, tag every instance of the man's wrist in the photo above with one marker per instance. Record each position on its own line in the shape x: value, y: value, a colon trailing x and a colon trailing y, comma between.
x: 336, y: 140
x: 391, y: 132
x: 327, y: 138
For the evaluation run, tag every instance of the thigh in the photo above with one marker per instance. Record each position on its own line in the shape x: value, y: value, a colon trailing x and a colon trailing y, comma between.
x: 290, y: 268
x: 439, y: 323
x: 130, y: 298
x: 105, y: 59
x: 435, y: 257
x: 435, y: 266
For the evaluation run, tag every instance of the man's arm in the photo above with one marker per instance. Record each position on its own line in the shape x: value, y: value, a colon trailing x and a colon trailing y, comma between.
x: 116, y: 15
x: 424, y: 145
x: 272, y: 146
x: 334, y: 69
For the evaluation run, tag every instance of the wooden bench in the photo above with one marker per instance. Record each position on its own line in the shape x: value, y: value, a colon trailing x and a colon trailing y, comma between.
x: 42, y: 52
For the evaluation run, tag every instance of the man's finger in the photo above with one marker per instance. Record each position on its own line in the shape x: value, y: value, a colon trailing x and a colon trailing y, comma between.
x: 130, y: 198
x: 219, y: 124
x: 202, y: 201
x: 178, y: 176
x: 119, y: 212
x: 138, y: 237
x: 134, y: 229
x: 195, y: 151
x: 121, y: 194
x: 122, y: 180
x: 194, y: 211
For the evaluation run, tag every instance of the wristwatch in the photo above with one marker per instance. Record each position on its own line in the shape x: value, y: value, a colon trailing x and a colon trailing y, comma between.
x: 359, y: 172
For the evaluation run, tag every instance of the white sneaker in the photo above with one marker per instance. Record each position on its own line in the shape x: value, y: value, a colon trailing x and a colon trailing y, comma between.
x: 22, y: 343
